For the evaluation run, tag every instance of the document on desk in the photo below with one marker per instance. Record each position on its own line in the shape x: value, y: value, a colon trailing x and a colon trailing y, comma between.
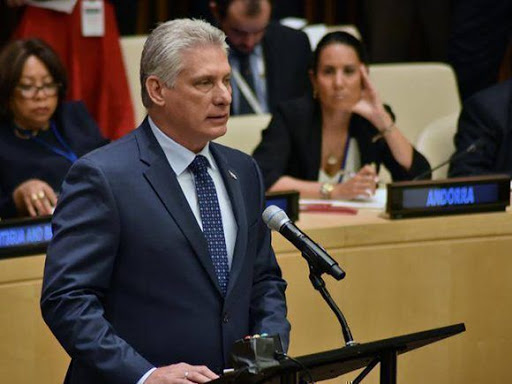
x: 377, y: 201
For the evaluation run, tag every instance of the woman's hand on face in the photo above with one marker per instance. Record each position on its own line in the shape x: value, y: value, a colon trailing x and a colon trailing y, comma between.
x: 370, y: 106
x: 34, y: 197
x: 363, y: 184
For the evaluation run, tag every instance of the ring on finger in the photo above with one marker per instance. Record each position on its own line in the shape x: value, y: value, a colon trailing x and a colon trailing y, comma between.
x: 41, y: 195
x: 34, y: 197
x: 185, y: 375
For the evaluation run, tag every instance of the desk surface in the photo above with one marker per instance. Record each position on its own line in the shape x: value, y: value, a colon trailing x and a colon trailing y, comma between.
x: 372, y: 227
x: 403, y: 276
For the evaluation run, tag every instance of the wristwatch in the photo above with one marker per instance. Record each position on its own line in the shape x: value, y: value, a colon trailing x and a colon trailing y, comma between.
x: 326, y: 190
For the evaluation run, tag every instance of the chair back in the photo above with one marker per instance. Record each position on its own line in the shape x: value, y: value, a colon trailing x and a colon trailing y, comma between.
x: 244, y: 132
x: 131, y: 48
x: 436, y: 143
x: 418, y: 93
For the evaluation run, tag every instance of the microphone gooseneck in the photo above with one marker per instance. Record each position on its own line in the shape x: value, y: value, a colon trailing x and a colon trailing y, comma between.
x: 473, y: 147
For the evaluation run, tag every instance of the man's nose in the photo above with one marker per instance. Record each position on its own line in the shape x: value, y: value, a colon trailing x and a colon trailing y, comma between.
x: 223, y: 94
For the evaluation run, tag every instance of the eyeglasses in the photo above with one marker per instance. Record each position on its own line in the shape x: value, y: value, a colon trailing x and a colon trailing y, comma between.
x: 30, y: 91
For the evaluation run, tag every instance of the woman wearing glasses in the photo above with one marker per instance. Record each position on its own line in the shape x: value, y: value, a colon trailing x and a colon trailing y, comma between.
x: 40, y: 135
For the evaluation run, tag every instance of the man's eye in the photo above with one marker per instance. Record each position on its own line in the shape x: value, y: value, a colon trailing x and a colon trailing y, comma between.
x: 204, y: 83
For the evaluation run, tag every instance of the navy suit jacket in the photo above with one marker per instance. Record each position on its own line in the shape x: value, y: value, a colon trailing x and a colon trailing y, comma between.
x: 128, y: 281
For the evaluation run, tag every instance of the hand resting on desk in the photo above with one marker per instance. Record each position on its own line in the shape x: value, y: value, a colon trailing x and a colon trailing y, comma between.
x: 361, y: 186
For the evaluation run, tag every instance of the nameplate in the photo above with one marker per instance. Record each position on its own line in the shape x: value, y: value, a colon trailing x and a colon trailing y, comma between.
x: 448, y: 196
x: 288, y: 201
x: 19, y: 237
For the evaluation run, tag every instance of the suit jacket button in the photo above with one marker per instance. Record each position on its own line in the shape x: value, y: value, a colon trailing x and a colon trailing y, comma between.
x: 226, y: 318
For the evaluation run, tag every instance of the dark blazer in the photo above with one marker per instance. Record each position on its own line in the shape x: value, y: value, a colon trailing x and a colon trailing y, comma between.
x: 287, y: 55
x: 128, y: 280
x: 486, y: 117
x: 478, y: 40
x: 21, y: 160
x: 292, y: 145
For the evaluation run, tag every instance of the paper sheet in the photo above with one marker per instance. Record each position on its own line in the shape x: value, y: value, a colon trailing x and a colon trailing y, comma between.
x: 66, y: 6
x: 377, y: 201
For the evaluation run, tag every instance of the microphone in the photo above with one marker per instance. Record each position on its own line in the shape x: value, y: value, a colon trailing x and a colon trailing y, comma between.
x: 472, y: 148
x: 276, y: 219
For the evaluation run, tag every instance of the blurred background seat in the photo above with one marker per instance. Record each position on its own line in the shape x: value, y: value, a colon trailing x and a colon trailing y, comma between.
x: 131, y: 48
x: 244, y: 132
x: 435, y: 142
x: 418, y: 93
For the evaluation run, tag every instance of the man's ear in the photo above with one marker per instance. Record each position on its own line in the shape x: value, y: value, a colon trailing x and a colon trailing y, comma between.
x: 155, y: 88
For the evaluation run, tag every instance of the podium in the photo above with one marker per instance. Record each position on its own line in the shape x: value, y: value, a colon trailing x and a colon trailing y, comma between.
x: 331, y: 364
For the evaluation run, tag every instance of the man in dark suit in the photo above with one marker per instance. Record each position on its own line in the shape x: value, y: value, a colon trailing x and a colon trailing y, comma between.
x: 270, y: 62
x: 485, y: 120
x: 160, y: 259
x: 480, y: 34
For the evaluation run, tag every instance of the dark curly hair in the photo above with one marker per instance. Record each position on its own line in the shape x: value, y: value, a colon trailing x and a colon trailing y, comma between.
x: 13, y: 58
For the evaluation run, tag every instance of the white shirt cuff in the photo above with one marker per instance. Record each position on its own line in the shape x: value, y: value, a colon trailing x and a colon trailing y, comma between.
x: 146, y: 375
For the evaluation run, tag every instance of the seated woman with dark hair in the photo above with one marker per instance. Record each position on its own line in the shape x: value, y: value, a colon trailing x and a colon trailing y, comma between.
x: 40, y: 136
x: 332, y: 143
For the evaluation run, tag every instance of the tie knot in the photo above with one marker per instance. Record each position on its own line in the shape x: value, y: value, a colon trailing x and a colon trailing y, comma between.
x: 199, y: 165
x: 245, y: 63
x: 240, y: 55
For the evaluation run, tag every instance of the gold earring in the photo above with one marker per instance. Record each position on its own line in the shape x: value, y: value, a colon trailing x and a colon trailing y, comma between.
x: 315, y: 94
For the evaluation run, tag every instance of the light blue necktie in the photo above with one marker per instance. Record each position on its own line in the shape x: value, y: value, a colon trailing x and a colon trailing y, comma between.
x: 212, y: 219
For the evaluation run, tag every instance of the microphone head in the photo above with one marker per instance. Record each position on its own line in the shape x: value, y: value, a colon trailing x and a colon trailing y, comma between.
x: 274, y: 217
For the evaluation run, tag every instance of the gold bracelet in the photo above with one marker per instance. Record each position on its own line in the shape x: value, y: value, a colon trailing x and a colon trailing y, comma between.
x: 384, y: 132
x: 388, y: 129
x: 326, y: 190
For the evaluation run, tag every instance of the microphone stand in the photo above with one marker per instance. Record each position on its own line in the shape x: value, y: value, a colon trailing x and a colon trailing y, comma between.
x: 319, y: 284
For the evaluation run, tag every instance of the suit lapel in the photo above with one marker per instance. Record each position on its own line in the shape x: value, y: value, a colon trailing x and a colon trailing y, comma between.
x: 232, y: 183
x: 163, y: 180
x: 273, y: 88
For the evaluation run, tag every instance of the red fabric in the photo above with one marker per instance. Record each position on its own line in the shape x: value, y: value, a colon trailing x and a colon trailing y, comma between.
x: 95, y: 65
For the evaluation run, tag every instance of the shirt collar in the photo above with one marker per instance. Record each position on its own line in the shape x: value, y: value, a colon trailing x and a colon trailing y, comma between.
x: 177, y: 155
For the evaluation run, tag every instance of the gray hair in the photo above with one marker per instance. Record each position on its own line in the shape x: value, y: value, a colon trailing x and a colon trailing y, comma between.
x: 162, y: 53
